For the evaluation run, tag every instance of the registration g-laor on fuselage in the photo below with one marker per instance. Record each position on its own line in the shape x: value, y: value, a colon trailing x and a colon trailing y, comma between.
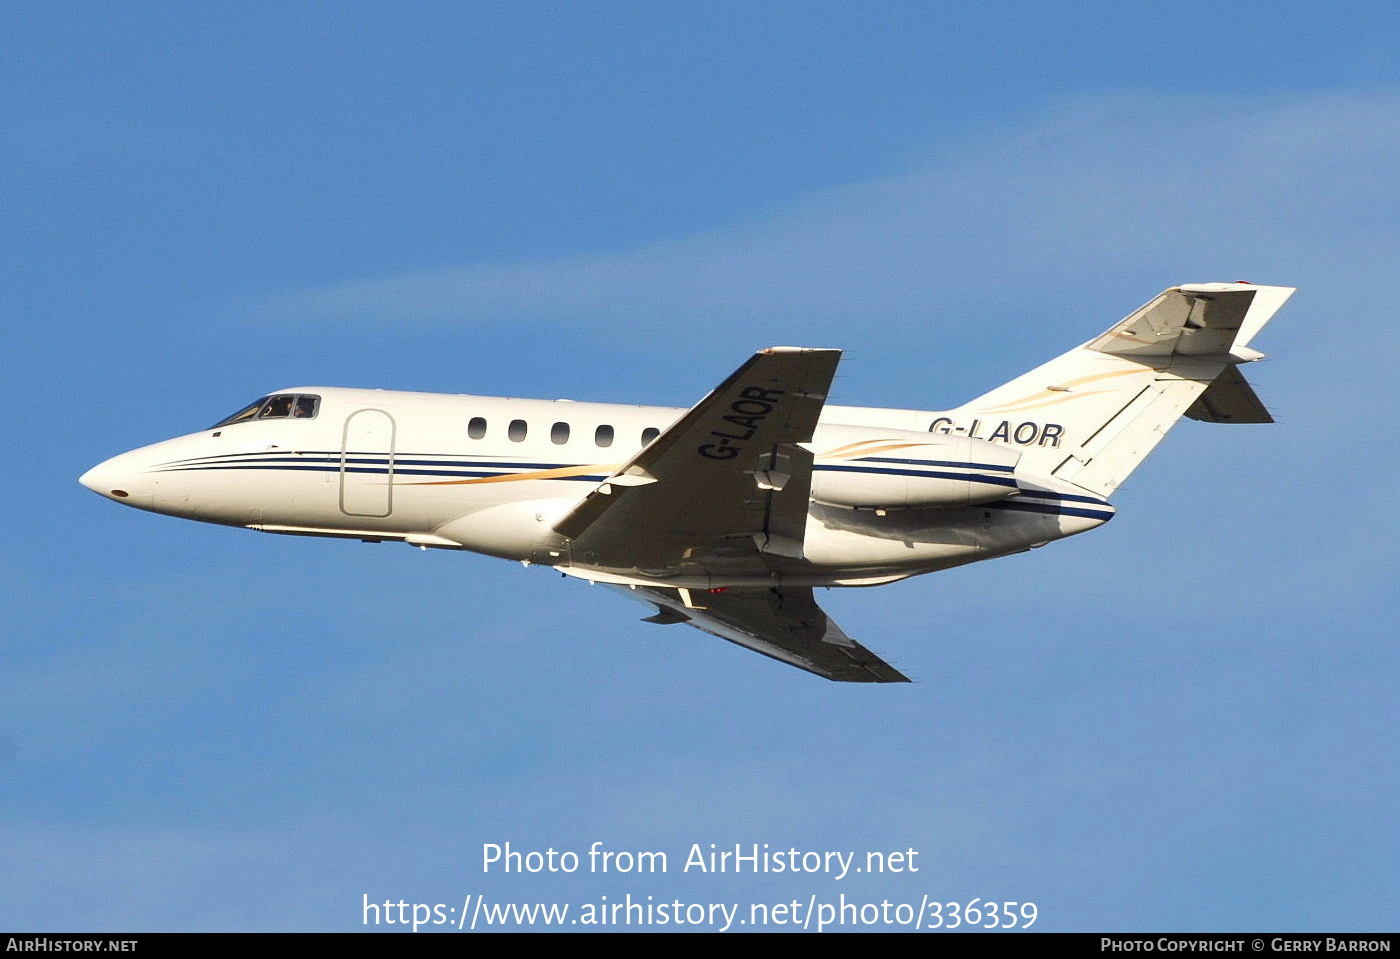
x: 727, y: 515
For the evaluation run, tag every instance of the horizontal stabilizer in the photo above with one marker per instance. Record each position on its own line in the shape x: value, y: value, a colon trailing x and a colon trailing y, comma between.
x: 1230, y: 399
x: 1190, y: 320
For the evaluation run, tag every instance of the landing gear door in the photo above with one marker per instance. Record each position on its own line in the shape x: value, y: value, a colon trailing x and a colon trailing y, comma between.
x: 367, y: 464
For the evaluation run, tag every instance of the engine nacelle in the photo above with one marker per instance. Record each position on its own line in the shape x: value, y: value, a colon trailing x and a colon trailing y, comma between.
x: 929, y: 472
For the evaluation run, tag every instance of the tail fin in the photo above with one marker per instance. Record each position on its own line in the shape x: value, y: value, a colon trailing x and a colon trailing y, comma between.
x: 1105, y: 405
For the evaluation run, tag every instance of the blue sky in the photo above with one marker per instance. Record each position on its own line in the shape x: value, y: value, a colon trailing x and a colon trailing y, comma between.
x: 1184, y: 721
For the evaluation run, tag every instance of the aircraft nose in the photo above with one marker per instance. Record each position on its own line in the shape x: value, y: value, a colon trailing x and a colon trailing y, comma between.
x: 122, y: 480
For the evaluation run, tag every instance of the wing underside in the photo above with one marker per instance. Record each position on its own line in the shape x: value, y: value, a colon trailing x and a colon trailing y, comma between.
x: 785, y: 624
x: 721, y: 497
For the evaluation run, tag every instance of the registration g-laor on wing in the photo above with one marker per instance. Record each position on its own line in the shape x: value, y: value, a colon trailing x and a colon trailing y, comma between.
x: 723, y: 493
x: 726, y: 486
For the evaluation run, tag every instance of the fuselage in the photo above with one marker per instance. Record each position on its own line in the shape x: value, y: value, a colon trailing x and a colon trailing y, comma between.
x: 894, y: 494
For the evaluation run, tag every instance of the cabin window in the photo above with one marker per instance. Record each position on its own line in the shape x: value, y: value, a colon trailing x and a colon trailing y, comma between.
x: 559, y: 434
x: 649, y: 434
x: 476, y: 427
x: 603, y: 436
x: 517, y: 430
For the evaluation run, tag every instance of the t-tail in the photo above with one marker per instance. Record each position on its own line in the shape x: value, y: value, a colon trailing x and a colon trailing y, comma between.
x: 1099, y: 409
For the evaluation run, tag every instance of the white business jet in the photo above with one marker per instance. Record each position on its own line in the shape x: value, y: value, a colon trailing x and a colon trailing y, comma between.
x: 727, y: 515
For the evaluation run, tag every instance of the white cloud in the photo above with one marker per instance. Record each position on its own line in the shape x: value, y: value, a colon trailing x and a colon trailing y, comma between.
x: 1128, y: 193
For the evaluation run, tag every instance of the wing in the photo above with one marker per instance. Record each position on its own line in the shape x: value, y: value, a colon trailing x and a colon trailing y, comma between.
x: 725, y: 484
x: 785, y: 624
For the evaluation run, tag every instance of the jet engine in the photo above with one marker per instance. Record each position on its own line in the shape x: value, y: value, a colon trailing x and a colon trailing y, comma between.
x: 893, y: 473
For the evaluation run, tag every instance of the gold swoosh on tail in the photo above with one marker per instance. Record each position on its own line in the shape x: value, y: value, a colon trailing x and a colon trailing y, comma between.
x: 1022, y: 405
x: 1016, y: 405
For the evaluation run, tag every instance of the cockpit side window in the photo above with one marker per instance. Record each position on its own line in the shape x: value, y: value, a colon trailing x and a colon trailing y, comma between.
x: 277, y: 406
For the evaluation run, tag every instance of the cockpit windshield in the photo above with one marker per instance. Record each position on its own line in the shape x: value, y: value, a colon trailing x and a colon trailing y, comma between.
x: 278, y: 406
